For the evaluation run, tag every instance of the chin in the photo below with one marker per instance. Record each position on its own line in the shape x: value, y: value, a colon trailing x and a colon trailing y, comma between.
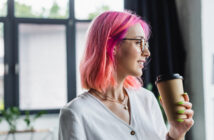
x: 138, y: 73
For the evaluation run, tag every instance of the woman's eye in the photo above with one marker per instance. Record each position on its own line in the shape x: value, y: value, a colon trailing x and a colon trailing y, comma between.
x: 138, y: 42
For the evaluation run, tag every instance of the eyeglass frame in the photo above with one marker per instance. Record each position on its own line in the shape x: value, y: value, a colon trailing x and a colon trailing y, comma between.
x: 142, y: 41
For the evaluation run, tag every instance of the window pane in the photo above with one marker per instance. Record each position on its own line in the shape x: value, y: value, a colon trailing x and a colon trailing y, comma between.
x: 41, y: 8
x: 1, y: 67
x: 3, y: 8
x: 88, y: 9
x: 81, y: 29
x: 42, y: 70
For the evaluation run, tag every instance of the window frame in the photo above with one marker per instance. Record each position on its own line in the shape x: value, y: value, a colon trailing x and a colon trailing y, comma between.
x: 3, y: 21
x: 11, y: 79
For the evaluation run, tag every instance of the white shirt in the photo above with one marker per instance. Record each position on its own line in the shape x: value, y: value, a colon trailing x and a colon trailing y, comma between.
x: 87, y: 118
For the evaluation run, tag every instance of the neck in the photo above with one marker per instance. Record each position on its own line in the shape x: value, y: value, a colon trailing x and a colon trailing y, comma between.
x: 117, y: 92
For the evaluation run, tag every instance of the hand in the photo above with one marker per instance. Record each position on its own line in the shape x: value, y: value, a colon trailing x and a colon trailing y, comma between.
x: 180, y: 127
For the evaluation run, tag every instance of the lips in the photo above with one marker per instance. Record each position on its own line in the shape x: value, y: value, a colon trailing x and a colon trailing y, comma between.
x: 141, y: 63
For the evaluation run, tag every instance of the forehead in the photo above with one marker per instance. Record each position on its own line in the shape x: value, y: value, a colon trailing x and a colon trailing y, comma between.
x: 135, y: 31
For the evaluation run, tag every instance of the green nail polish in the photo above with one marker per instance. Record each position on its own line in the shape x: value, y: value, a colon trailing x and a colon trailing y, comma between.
x: 186, y: 93
x: 181, y: 111
x: 180, y: 120
x: 181, y: 102
x: 159, y: 97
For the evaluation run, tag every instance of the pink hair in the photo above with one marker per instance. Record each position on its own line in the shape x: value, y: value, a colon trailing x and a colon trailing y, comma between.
x: 97, y: 66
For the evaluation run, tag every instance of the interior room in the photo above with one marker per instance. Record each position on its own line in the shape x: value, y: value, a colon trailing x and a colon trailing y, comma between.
x: 42, y: 43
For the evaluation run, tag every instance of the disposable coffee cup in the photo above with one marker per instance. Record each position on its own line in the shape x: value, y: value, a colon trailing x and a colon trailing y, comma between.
x: 170, y: 88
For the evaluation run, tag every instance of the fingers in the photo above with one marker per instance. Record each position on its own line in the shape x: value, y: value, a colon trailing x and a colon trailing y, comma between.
x: 185, y: 113
x: 188, y: 112
x: 160, y: 99
x: 189, y: 123
x: 187, y: 105
x: 186, y: 123
x: 186, y: 97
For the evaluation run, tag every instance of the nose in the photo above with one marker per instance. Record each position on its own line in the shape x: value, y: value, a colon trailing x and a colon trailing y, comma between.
x: 146, y: 52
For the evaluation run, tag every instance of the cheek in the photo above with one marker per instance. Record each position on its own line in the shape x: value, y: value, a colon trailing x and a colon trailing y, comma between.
x: 130, y: 56
x: 132, y: 53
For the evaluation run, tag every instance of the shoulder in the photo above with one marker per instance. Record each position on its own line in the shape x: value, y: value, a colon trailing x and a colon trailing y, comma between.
x: 143, y: 96
x: 77, y: 105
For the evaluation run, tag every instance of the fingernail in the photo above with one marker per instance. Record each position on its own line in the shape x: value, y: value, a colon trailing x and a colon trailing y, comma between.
x: 186, y: 93
x: 180, y: 120
x: 181, y: 111
x: 159, y: 97
x: 181, y: 102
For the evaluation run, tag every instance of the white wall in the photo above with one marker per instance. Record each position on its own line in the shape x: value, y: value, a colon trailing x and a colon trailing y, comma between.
x: 208, y: 63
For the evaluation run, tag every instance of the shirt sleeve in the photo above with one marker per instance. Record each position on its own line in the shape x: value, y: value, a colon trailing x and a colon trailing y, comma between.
x: 158, y: 120
x: 70, y: 126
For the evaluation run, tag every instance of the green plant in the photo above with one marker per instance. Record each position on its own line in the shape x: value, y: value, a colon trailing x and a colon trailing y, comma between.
x: 29, y: 120
x: 98, y: 11
x: 0, y: 118
x: 11, y: 115
x: 149, y: 86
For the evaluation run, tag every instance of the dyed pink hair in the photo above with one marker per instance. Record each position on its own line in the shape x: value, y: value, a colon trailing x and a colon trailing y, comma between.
x: 97, y: 66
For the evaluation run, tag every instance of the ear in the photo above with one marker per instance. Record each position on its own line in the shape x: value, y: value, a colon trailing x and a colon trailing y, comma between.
x: 115, y: 50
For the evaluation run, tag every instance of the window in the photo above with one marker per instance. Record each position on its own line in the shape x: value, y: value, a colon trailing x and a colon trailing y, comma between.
x: 42, y: 64
x: 81, y: 29
x: 213, y: 69
x: 41, y: 8
x: 94, y: 7
x: 1, y: 67
x: 91, y: 8
x: 3, y: 8
x: 42, y: 51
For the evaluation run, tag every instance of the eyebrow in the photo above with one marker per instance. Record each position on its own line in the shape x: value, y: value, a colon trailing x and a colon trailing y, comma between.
x: 140, y: 37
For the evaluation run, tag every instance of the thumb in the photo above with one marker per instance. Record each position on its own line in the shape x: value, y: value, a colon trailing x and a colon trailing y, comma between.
x: 160, y: 99
x: 186, y: 97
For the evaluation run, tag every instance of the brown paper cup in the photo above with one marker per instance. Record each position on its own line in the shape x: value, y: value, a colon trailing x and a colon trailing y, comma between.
x: 170, y: 88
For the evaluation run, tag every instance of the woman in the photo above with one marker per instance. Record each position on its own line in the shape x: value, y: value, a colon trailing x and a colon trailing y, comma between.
x: 116, y: 107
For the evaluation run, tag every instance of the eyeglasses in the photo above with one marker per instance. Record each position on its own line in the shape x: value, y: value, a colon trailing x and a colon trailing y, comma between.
x: 142, y: 42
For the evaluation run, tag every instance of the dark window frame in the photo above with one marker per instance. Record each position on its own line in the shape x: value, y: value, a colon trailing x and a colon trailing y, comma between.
x: 11, y: 80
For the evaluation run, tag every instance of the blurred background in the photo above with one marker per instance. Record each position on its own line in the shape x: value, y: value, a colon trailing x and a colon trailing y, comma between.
x: 41, y: 44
